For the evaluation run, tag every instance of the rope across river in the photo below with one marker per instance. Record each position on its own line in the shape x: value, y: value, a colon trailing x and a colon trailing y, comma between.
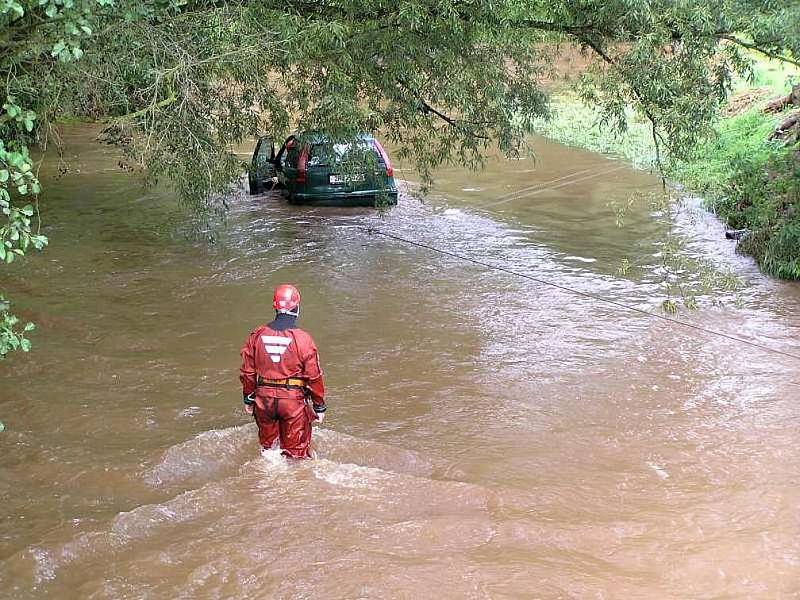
x: 595, y: 297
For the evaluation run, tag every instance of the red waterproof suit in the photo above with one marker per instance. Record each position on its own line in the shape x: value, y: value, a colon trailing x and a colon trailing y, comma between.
x: 280, y: 411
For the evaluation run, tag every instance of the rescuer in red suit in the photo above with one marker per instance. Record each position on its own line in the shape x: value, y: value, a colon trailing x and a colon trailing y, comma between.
x: 280, y: 371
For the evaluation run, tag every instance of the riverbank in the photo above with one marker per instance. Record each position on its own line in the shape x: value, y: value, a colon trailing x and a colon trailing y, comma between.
x: 750, y: 181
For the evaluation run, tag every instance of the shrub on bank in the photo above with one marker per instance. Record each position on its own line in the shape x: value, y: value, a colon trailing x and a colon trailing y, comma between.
x: 751, y: 183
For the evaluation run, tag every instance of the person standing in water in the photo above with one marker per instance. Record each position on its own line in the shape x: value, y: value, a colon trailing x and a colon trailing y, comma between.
x: 280, y: 373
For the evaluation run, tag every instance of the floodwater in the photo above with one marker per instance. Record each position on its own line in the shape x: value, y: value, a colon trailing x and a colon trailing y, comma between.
x: 488, y: 436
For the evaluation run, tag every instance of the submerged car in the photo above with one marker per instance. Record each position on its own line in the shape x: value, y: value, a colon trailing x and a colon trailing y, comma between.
x: 312, y: 169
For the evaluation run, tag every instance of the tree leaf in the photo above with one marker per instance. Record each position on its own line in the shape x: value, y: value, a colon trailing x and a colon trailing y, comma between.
x: 58, y: 48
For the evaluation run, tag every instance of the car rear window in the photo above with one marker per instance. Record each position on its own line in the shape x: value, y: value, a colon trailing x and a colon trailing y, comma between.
x: 334, y: 154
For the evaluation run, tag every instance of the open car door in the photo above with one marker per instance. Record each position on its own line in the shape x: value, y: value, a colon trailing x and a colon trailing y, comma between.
x: 263, y: 175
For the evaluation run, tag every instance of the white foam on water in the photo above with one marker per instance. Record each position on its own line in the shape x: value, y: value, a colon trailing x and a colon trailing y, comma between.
x: 45, y: 569
x: 202, y: 457
x: 129, y: 527
x: 343, y: 448
x: 210, y: 455
x: 272, y: 462
x: 202, y: 461
x: 349, y: 475
x: 659, y: 470
x: 48, y: 561
x: 190, y: 411
x: 267, y: 479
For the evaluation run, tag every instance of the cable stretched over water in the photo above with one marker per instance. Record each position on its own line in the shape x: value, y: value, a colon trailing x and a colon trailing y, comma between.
x: 374, y: 231
x: 541, y: 184
x: 571, y: 180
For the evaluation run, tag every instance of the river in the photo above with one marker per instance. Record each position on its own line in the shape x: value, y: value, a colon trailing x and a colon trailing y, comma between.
x: 488, y: 436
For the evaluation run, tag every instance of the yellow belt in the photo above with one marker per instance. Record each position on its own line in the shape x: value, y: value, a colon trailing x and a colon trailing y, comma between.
x: 291, y: 381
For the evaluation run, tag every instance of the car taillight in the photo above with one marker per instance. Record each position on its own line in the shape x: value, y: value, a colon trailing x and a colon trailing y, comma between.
x: 385, y: 157
x: 302, y: 165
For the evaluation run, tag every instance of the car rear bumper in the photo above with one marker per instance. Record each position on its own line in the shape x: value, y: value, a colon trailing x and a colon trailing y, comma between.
x: 356, y: 198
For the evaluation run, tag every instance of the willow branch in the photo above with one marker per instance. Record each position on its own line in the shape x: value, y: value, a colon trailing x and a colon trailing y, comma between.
x: 639, y: 97
x: 757, y: 48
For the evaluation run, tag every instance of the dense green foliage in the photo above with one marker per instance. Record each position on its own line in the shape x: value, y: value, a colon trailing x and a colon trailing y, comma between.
x: 183, y: 80
x: 754, y: 184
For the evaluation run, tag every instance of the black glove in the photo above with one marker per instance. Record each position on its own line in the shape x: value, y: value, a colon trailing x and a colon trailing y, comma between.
x: 249, y: 399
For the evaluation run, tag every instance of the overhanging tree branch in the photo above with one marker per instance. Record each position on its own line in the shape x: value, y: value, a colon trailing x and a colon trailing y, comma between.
x: 425, y: 108
x: 639, y: 97
x: 756, y: 48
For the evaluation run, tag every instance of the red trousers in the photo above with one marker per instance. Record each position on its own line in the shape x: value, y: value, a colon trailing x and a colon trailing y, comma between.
x: 287, y: 420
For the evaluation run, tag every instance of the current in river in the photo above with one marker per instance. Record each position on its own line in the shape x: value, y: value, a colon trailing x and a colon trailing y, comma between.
x: 488, y: 436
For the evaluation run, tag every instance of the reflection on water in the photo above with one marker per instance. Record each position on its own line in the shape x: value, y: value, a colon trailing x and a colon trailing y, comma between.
x: 501, y: 437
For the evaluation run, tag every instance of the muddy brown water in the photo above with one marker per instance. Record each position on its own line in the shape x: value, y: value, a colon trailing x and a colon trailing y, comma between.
x: 488, y: 437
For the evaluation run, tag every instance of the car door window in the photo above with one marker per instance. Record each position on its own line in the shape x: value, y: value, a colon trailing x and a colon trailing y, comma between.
x: 264, y: 152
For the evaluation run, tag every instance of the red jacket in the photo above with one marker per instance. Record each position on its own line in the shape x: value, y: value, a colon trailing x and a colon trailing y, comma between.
x: 271, y: 354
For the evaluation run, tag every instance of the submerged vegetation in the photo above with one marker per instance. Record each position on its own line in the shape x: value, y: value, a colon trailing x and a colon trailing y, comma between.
x: 180, y: 82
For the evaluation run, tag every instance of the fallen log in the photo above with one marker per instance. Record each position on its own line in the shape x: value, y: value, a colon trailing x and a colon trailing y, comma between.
x: 788, y: 128
x: 779, y: 104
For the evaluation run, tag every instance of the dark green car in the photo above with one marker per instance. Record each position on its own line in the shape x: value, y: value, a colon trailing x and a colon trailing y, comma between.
x: 311, y: 169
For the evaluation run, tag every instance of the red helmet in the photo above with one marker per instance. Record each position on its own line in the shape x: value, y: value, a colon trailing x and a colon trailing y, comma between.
x: 286, y: 299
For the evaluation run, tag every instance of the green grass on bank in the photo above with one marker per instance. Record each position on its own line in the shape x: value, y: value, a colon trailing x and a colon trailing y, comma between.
x: 575, y: 124
x: 751, y: 183
x: 768, y: 74
x: 748, y: 181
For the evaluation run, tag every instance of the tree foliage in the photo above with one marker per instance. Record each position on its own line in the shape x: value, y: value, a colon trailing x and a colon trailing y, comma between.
x: 181, y: 81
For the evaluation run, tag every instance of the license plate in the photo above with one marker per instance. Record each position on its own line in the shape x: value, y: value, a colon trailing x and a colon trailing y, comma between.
x: 346, y: 178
